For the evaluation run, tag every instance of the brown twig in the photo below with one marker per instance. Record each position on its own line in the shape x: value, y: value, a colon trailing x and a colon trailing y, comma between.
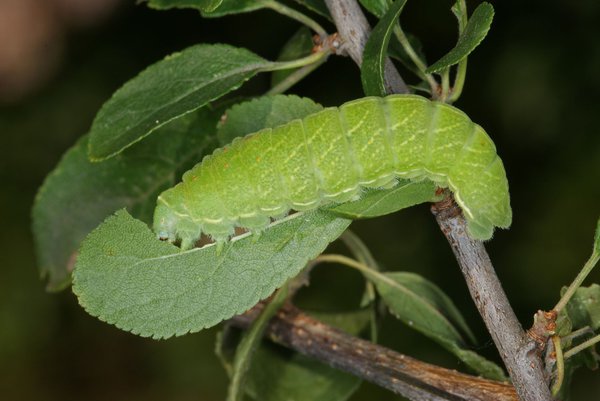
x: 399, y: 373
x: 518, y: 351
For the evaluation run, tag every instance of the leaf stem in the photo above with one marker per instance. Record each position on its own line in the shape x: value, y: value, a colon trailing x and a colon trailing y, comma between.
x: 459, y: 81
x: 300, y: 62
x: 296, y: 15
x: 410, y: 51
x: 344, y: 260
x: 579, y: 332
x: 443, y: 97
x: 573, y: 351
x: 461, y: 72
x: 363, y: 255
x: 583, y: 273
x: 359, y: 249
x: 560, y: 365
x: 295, y: 77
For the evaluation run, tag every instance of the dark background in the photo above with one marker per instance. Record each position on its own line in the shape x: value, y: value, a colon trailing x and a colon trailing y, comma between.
x: 533, y: 84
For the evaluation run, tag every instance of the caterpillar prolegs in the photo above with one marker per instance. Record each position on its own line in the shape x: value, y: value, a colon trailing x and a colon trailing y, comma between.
x: 329, y: 156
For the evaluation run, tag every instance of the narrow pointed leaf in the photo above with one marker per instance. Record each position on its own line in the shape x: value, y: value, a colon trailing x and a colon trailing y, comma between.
x: 127, y: 277
x: 395, y: 49
x: 177, y: 85
x: 299, y: 45
x: 475, y: 31
x: 424, y: 310
x: 435, y: 296
x: 78, y: 194
x: 203, y: 5
x: 374, y: 55
x: 376, y: 7
x: 411, y: 304
x: 378, y: 202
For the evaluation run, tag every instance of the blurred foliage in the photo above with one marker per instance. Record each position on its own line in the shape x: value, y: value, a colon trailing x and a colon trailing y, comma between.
x: 532, y: 84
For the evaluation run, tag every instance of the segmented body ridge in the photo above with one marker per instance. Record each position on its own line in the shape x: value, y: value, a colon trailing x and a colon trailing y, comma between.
x: 330, y: 156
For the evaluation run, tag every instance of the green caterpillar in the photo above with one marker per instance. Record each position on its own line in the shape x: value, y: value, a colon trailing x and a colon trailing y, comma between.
x: 329, y: 157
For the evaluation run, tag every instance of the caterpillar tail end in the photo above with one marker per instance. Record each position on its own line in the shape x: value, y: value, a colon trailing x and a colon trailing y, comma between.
x: 482, y: 228
x: 480, y: 232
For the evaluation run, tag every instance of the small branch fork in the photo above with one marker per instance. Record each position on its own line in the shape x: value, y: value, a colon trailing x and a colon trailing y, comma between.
x: 398, y: 373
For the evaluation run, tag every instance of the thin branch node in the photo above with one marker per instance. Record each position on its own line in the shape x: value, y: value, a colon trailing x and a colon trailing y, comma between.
x: 333, y: 43
x: 446, y: 208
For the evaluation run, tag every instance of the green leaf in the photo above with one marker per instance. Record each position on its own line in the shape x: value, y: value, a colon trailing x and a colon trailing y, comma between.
x: 586, y: 358
x: 475, y: 31
x: 264, y: 112
x: 78, y: 194
x: 584, y: 307
x: 249, y: 344
x: 299, y: 45
x: 376, y: 7
x: 203, y: 5
x: 424, y: 307
x: 372, y: 68
x: 477, y: 363
x: 279, y: 374
x: 317, y: 6
x: 177, y: 85
x: 435, y: 296
x: 126, y: 277
x: 229, y: 7
x: 379, y: 202
x: 395, y: 49
x: 582, y: 310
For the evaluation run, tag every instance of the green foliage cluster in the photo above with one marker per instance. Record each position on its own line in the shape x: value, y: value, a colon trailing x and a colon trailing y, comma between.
x: 162, y: 122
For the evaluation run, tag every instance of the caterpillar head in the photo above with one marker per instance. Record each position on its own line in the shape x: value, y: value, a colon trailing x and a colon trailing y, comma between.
x: 165, y: 223
x: 170, y: 225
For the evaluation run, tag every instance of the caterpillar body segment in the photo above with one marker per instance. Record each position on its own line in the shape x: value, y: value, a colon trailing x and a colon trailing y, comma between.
x: 329, y: 157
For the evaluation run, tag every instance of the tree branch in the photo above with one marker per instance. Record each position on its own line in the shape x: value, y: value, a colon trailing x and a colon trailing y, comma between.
x: 517, y: 351
x: 398, y: 373
x: 354, y: 30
